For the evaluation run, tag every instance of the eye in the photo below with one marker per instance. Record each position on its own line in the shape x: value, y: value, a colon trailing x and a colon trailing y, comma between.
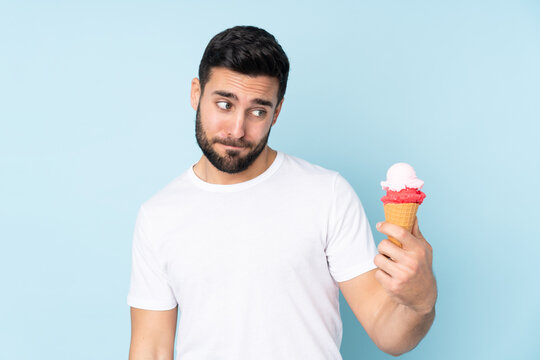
x: 224, y: 105
x: 258, y: 113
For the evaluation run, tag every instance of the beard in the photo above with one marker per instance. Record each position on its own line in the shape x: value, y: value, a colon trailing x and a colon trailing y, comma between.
x: 232, y: 162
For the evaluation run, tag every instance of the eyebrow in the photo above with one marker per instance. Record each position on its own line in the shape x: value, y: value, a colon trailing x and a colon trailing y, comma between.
x: 230, y: 95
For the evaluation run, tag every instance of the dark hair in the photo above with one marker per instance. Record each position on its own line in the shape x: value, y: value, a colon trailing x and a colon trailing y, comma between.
x: 248, y: 50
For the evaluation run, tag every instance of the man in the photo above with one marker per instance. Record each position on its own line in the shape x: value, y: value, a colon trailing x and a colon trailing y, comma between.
x: 252, y: 245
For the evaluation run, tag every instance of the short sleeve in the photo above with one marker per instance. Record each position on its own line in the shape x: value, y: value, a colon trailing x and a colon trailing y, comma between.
x: 149, y: 288
x: 350, y: 248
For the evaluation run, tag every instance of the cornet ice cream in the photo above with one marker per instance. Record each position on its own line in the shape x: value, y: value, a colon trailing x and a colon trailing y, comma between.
x: 403, y: 196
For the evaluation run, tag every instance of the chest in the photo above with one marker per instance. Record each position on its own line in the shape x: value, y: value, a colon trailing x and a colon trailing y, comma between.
x: 243, y: 244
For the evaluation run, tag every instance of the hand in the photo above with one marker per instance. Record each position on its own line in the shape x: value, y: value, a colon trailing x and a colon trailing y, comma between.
x: 406, y: 273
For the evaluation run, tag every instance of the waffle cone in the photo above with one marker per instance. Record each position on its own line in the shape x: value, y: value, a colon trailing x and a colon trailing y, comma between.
x: 402, y: 215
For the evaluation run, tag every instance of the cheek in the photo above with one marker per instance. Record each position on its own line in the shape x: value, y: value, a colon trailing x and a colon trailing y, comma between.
x: 211, y: 120
x: 257, y: 131
x: 211, y: 125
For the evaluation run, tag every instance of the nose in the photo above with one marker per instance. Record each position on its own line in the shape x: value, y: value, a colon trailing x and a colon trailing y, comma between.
x: 236, y: 125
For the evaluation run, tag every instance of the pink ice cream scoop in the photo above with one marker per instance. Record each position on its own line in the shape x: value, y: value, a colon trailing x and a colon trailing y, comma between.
x: 402, y: 185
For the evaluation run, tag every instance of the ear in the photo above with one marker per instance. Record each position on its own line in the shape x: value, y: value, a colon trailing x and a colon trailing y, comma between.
x: 276, y: 112
x: 195, y: 93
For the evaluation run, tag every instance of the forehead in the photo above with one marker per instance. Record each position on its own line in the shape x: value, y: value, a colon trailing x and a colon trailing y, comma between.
x: 260, y: 86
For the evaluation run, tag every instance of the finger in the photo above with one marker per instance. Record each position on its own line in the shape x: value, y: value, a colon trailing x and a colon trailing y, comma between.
x: 383, y: 278
x: 406, y: 239
x: 388, y: 248
x: 416, y: 230
x: 417, y: 234
x: 387, y: 265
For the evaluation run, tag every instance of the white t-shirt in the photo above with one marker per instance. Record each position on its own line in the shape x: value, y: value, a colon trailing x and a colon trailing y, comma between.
x: 252, y: 266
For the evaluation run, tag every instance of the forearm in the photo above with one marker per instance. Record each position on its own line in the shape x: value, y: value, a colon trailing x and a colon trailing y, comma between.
x: 142, y: 355
x: 139, y: 350
x: 398, y: 329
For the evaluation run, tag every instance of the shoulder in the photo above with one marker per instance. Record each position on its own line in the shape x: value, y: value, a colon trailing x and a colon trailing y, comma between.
x: 168, y: 195
x: 301, y: 167
x: 313, y: 174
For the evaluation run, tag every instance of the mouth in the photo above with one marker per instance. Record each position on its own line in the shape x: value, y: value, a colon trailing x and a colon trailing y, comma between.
x: 232, y: 147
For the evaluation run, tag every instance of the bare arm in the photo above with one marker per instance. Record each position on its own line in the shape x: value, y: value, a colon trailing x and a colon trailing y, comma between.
x: 394, y: 328
x: 401, y: 328
x: 396, y: 302
x: 152, y: 334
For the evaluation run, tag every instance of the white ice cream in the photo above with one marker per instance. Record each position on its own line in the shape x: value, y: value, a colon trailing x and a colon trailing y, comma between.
x: 399, y: 176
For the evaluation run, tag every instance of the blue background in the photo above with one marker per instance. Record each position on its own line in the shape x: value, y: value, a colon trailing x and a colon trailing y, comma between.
x: 95, y: 118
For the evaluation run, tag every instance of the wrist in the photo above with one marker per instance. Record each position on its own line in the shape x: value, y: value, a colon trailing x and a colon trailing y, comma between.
x: 427, y: 306
x: 420, y: 311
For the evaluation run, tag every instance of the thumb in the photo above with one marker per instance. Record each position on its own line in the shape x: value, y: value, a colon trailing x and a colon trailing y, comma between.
x: 415, y: 230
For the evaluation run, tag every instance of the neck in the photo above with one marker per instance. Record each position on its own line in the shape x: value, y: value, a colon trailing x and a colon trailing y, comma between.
x: 207, y: 172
